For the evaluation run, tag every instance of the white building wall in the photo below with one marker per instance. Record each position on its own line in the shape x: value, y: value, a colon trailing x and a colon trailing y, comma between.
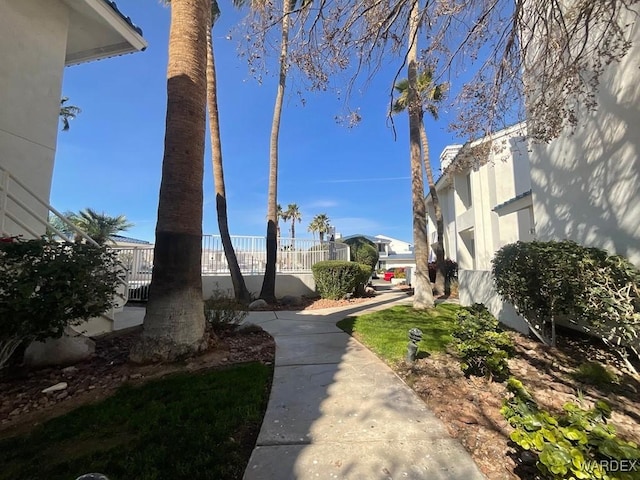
x: 34, y: 36
x: 586, y: 185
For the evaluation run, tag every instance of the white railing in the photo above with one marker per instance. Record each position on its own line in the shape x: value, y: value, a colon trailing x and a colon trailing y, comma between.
x: 17, y: 203
x: 293, y: 256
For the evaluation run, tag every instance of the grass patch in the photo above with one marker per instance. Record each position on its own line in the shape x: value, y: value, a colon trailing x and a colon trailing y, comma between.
x: 385, y: 332
x: 184, y: 426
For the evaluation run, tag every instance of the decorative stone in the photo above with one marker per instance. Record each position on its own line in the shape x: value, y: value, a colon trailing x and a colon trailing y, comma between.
x: 93, y: 476
x: 55, y: 388
x: 290, y: 300
x: 256, y: 304
x: 70, y: 370
x: 70, y: 348
x: 528, y: 458
x: 62, y: 395
x: 468, y: 419
x: 369, y: 291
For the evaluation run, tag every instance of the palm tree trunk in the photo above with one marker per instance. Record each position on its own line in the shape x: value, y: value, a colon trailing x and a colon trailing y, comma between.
x: 439, y: 288
x: 423, y: 295
x: 240, y: 290
x: 267, y: 292
x: 174, y: 324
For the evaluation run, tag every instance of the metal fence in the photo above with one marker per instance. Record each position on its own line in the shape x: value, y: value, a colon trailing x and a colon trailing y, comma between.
x: 293, y: 256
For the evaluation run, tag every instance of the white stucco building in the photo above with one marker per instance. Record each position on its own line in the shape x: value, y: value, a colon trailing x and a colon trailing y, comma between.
x: 583, y: 186
x: 38, y: 39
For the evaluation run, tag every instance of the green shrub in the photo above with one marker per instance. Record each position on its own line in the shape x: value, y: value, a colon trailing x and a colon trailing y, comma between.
x: 222, y: 310
x: 484, y: 348
x: 46, y: 286
x: 594, y: 373
x: 363, y: 251
x: 577, y: 444
x: 546, y: 279
x: 367, y: 255
x: 363, y: 279
x: 336, y: 278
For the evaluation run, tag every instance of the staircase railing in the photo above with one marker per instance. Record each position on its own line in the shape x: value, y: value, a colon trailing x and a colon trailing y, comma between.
x: 9, y: 194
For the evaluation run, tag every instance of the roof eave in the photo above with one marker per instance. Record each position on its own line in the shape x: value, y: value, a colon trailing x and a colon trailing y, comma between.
x: 133, y: 39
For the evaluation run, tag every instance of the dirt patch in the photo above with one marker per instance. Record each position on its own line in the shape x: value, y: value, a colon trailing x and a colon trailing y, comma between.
x: 23, y: 405
x: 470, y: 407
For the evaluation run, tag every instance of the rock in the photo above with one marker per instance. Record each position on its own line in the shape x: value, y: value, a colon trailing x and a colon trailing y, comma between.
x: 135, y: 376
x: 468, y: 419
x: 528, y: 458
x: 55, y: 388
x: 290, y: 300
x: 248, y: 327
x: 59, y: 351
x: 15, y: 412
x: 560, y: 387
x: 70, y: 370
x: 257, y: 304
x: 93, y: 476
x: 62, y: 395
x: 369, y: 291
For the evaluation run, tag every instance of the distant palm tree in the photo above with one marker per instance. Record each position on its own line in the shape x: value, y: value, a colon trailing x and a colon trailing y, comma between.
x: 99, y: 226
x: 430, y: 95
x: 279, y: 216
x: 292, y: 214
x: 67, y: 112
x: 320, y: 224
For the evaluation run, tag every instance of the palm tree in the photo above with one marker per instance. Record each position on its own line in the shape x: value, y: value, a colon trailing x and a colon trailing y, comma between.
x: 239, y: 287
x: 99, y: 226
x: 320, y: 224
x: 430, y: 95
x: 423, y: 295
x: 267, y: 292
x: 67, y: 112
x: 292, y: 214
x: 56, y: 223
x: 174, y: 324
x: 280, y: 216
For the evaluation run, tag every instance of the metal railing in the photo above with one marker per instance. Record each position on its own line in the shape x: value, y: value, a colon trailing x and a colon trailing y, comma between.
x: 293, y: 256
x: 22, y: 200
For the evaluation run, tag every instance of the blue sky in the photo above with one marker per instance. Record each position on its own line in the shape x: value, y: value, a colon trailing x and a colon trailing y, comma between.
x: 111, y: 158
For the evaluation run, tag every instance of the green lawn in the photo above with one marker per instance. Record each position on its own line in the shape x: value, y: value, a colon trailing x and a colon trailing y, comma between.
x: 185, y: 426
x: 385, y: 332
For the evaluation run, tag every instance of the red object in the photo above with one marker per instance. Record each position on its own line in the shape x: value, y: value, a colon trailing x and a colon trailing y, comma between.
x: 389, y: 274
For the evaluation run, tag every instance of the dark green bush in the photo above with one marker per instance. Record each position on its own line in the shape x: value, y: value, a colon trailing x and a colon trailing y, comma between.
x: 363, y: 251
x: 336, y: 278
x: 363, y: 279
x: 577, y: 444
x: 46, y: 286
x: 450, y: 271
x: 483, y: 346
x: 222, y: 310
x: 546, y: 279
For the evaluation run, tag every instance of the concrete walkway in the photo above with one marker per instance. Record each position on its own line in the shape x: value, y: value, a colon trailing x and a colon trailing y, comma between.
x: 336, y: 411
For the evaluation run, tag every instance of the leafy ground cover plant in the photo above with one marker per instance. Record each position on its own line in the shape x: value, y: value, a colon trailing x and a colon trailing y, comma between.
x: 46, y: 286
x: 577, y: 444
x: 482, y: 345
